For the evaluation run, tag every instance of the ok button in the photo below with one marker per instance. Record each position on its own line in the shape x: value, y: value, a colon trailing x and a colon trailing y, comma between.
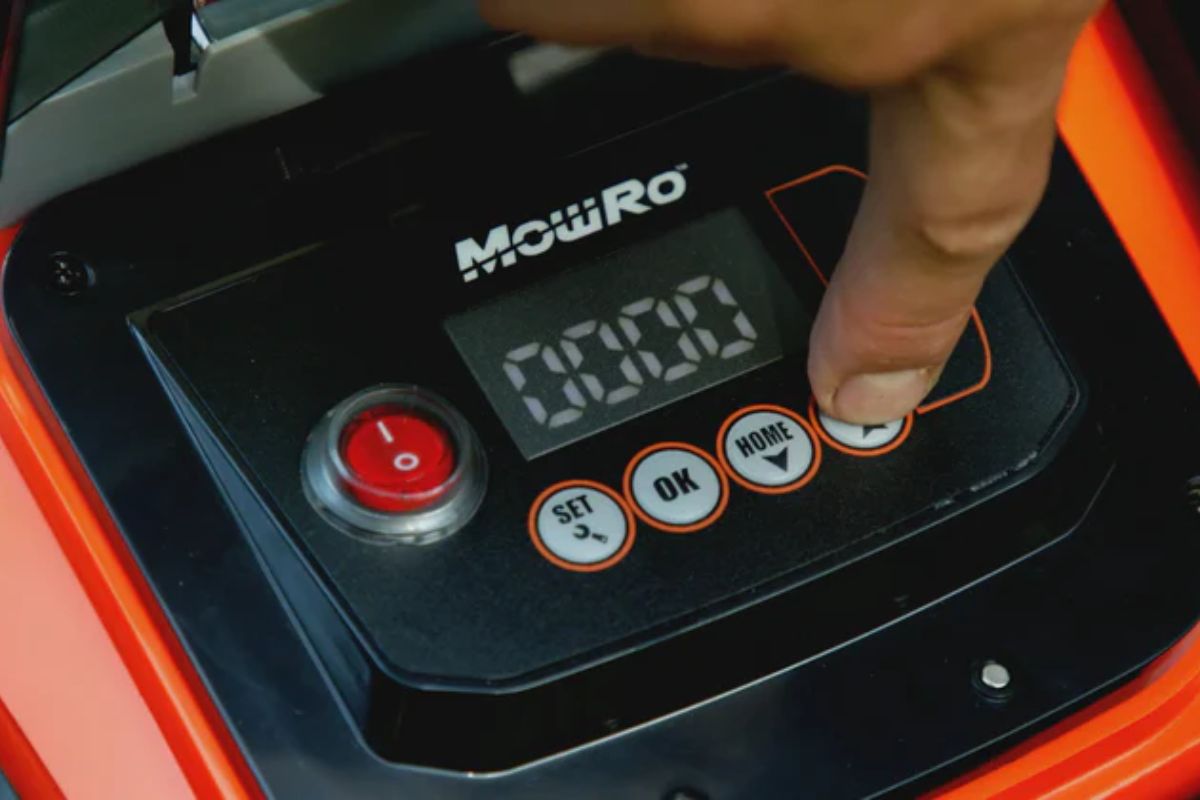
x: 676, y: 487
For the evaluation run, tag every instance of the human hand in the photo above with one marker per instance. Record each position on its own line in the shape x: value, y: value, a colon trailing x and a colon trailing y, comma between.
x: 963, y: 96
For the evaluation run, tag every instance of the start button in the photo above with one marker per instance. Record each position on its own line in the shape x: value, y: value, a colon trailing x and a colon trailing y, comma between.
x: 395, y: 462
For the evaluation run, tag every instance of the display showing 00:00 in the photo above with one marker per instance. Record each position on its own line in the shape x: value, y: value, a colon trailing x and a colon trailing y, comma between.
x: 568, y: 360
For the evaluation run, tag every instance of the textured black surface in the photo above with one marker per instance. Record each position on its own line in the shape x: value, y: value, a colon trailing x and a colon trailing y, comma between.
x: 781, y: 699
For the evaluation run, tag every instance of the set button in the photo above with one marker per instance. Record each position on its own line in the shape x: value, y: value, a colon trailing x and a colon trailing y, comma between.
x: 860, y: 440
x: 581, y: 526
x: 676, y: 487
x: 769, y: 449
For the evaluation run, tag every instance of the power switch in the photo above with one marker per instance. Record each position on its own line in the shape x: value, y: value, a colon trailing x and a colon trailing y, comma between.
x: 396, y: 463
x: 400, y: 460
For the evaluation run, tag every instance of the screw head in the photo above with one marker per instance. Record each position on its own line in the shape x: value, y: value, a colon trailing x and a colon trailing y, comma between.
x: 68, y: 275
x: 995, y: 676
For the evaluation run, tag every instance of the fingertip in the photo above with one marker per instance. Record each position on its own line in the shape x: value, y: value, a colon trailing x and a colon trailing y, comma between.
x: 852, y: 383
x: 881, y: 397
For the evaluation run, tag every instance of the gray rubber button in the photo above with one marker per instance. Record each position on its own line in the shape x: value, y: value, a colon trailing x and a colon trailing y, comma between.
x: 581, y: 525
x: 768, y: 449
x: 862, y: 437
x: 676, y: 487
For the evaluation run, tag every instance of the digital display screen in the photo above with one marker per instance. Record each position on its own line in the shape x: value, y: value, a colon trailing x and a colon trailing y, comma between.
x: 631, y: 332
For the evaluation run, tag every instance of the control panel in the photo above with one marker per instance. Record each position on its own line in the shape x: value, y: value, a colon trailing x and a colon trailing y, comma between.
x: 587, y: 401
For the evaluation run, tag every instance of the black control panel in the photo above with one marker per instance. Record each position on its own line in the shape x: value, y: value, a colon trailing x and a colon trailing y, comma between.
x: 662, y: 496
x: 495, y: 459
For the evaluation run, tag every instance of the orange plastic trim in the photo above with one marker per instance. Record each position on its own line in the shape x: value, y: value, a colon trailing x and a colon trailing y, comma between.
x: 1143, y: 741
x: 192, y: 726
x: 1115, y: 122
x: 25, y: 772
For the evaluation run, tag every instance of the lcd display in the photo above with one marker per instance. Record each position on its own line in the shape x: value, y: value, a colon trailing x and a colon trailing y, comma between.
x: 631, y: 332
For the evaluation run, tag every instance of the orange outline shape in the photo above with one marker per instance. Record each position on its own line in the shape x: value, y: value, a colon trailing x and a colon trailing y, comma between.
x: 571, y: 566
x: 812, y: 262
x: 713, y: 516
x: 745, y: 483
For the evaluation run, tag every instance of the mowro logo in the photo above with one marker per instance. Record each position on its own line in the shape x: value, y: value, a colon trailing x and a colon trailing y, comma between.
x: 503, y: 245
